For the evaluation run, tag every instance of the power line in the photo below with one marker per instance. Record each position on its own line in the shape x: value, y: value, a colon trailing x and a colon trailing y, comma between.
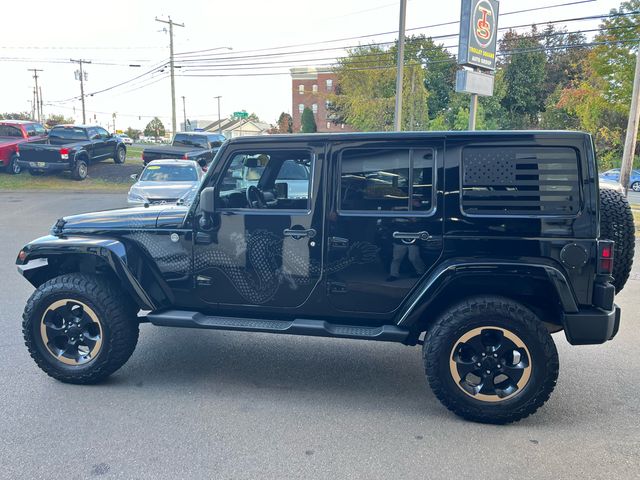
x: 357, y: 37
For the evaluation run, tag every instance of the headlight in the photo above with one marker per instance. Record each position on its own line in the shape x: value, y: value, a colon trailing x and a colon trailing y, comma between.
x: 136, y: 197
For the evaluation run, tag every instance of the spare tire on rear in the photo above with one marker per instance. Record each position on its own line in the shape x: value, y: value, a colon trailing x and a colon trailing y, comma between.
x: 616, y: 223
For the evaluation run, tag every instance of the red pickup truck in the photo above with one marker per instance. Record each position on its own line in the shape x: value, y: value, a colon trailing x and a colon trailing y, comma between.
x: 12, y: 134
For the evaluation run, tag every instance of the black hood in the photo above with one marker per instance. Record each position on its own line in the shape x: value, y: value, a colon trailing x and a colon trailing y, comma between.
x: 137, y: 218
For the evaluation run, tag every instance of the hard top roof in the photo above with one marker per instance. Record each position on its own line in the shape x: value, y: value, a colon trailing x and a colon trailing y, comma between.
x: 364, y: 136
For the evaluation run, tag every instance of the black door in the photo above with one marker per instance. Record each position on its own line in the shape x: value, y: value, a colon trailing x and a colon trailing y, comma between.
x: 263, y: 245
x: 384, y: 225
x: 106, y: 144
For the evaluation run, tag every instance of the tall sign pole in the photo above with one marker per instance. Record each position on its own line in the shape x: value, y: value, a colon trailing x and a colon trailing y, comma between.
x: 397, y: 119
x: 477, y: 51
x: 173, y: 80
x: 632, y: 130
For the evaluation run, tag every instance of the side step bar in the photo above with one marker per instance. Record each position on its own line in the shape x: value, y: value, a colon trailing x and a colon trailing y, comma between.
x: 318, y: 328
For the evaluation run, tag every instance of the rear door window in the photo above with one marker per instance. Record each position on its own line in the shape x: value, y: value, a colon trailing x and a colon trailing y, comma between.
x: 387, y: 180
x: 10, y: 131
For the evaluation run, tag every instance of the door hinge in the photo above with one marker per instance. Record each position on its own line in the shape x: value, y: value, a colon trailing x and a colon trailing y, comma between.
x: 336, y: 287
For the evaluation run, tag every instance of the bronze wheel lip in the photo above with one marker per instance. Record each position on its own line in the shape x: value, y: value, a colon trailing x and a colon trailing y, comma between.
x: 95, y: 350
x: 522, y: 383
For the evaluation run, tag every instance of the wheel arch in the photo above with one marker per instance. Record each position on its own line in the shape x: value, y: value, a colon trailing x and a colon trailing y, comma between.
x: 49, y: 257
x: 523, y: 283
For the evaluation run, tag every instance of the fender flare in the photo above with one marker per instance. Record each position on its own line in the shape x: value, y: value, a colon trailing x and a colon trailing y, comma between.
x: 33, y: 262
x: 426, y: 292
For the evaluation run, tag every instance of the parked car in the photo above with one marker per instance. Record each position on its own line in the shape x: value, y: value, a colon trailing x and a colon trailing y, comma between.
x: 12, y: 134
x: 614, y: 174
x: 164, y: 181
x: 71, y: 148
x: 187, y: 146
x: 490, y: 249
x: 126, y: 139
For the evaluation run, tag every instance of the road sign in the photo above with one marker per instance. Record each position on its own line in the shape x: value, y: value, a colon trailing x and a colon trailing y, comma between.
x: 468, y: 81
x: 478, y: 33
x: 241, y: 114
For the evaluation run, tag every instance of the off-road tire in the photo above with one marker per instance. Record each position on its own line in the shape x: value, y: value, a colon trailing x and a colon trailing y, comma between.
x: 616, y: 223
x: 80, y: 169
x: 14, y: 167
x: 119, y: 326
x: 121, y: 155
x: 486, y: 311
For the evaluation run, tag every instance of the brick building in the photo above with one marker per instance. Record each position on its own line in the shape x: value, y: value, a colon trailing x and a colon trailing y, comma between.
x: 310, y: 87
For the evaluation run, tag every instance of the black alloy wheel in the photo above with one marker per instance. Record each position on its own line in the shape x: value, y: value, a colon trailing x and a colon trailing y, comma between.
x: 71, y: 332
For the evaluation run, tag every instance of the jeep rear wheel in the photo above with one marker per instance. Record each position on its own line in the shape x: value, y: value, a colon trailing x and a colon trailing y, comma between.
x: 490, y: 360
x: 78, y: 329
x: 616, y: 223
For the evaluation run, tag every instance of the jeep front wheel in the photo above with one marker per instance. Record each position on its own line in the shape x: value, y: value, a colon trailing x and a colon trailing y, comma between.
x: 490, y: 360
x: 78, y: 329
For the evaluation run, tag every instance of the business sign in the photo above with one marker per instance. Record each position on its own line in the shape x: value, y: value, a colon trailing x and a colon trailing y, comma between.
x: 478, y: 33
x: 475, y: 83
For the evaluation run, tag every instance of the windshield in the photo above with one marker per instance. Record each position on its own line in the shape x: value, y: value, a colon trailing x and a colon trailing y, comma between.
x: 169, y: 173
x: 68, y: 133
x: 184, y: 140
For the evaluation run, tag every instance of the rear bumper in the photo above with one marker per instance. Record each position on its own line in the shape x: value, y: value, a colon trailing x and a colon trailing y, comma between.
x: 46, y: 166
x: 591, y: 326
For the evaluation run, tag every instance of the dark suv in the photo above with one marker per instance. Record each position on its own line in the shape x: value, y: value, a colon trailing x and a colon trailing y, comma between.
x: 477, y: 246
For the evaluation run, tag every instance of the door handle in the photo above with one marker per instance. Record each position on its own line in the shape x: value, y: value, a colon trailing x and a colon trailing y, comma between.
x: 298, y: 234
x: 410, y: 237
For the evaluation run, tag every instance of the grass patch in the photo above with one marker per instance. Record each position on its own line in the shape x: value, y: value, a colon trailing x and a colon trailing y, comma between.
x: 636, y: 217
x: 54, y: 182
x: 134, y: 153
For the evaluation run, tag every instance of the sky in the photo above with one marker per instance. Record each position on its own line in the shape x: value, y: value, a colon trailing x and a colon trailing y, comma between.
x: 117, y: 34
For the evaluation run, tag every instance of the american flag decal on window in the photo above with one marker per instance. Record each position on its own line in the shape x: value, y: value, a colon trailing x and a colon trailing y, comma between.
x: 520, y: 181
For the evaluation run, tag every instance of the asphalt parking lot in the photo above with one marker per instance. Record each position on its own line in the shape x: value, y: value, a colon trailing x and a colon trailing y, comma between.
x: 226, y: 405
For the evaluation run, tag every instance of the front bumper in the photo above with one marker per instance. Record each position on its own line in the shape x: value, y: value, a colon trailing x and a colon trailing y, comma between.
x: 591, y: 326
x: 44, y: 166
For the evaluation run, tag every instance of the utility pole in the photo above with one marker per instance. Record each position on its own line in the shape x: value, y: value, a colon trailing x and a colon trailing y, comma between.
x: 219, y: 122
x: 173, y: 81
x: 41, y: 103
x: 37, y: 99
x: 397, y: 121
x: 184, y: 113
x: 81, y: 75
x: 632, y: 130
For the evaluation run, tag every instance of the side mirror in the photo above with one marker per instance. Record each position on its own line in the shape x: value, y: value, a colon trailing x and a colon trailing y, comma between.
x: 134, y: 177
x: 206, y: 200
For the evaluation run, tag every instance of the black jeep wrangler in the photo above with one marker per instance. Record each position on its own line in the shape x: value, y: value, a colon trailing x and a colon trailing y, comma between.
x: 477, y: 246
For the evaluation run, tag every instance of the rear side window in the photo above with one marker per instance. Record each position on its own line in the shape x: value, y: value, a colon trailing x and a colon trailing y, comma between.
x: 68, y: 133
x: 520, y: 181
x: 9, y: 131
x: 386, y: 180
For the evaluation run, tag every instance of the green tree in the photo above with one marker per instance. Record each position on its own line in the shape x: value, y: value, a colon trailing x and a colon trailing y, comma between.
x: 285, y: 123
x: 308, y: 121
x: 54, y: 120
x: 16, y: 116
x: 524, y: 76
x: 155, y: 128
x: 133, y: 133
x: 365, y: 98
